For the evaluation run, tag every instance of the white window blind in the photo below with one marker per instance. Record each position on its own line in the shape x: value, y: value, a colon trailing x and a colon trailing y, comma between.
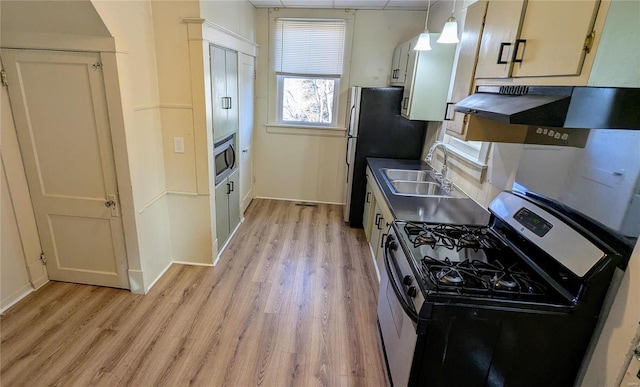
x: 309, y: 46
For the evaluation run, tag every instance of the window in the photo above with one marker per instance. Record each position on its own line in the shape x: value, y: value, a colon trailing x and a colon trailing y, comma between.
x: 308, y: 60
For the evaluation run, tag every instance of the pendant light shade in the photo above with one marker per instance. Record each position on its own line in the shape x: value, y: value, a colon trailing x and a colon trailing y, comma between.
x: 449, y: 32
x: 424, y: 41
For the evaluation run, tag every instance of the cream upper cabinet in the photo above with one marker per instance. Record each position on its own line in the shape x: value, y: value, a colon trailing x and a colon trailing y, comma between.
x: 427, y: 83
x: 536, y: 38
x: 466, y: 65
x: 399, y: 64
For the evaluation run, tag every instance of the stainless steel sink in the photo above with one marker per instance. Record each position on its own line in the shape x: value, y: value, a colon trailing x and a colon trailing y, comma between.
x: 423, y: 188
x: 408, y: 175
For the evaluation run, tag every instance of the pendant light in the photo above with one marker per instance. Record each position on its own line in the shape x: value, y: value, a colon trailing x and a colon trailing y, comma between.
x: 450, y: 31
x: 424, y: 42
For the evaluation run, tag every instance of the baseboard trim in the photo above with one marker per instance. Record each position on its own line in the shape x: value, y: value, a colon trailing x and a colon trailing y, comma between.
x: 16, y: 296
x: 136, y: 281
x: 299, y: 200
x: 192, y: 263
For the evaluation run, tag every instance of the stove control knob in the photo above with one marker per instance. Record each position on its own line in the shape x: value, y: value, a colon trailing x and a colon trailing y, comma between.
x: 412, y: 292
x: 407, y: 280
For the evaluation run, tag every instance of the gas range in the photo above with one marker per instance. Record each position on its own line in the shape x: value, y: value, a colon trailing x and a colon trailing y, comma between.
x: 468, y: 260
x: 507, y: 302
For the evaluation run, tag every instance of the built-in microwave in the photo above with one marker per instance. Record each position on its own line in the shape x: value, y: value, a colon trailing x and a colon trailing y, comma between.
x: 224, y: 156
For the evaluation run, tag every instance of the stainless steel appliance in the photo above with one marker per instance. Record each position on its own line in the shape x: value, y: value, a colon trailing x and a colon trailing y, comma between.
x: 224, y: 155
x: 376, y: 129
x: 514, y: 302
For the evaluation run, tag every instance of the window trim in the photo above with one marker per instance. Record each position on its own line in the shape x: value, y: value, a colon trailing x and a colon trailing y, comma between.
x: 472, y: 159
x: 342, y: 92
x: 280, y: 99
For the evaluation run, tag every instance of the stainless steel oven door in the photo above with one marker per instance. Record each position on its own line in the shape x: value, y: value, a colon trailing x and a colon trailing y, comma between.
x: 397, y: 312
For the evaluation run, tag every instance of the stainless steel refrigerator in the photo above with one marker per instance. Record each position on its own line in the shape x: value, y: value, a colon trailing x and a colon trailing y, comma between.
x: 376, y: 129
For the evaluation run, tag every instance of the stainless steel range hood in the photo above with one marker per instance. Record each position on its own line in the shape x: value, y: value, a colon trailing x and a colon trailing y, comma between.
x: 556, y: 106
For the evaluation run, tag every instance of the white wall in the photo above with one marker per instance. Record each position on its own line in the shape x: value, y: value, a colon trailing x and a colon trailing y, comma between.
x: 14, y: 279
x: 131, y: 24
x: 308, y: 165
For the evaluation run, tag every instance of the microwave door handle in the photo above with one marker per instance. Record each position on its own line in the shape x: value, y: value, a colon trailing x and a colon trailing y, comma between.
x: 233, y: 155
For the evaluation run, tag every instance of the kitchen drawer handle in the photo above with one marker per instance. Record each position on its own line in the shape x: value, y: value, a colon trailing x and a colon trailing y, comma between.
x: 502, y: 46
x: 515, y: 50
x: 368, y: 196
x: 378, y: 219
x: 446, y: 111
x: 405, y: 103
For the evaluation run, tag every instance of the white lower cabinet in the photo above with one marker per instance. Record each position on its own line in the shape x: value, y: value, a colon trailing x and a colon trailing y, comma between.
x: 377, y: 219
x: 227, y: 207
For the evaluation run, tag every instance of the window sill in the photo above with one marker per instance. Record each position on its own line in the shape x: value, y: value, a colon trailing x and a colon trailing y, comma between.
x: 465, y: 163
x: 306, y: 130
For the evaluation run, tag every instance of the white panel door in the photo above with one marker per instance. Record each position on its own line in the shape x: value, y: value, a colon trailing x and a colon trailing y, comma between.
x: 246, y: 92
x: 60, y: 111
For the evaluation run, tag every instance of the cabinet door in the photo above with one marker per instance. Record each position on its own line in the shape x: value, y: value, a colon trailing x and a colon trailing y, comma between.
x: 217, y: 57
x: 395, y: 60
x: 465, y: 70
x: 234, y: 200
x: 231, y: 75
x: 429, y: 75
x: 379, y: 248
x: 498, y: 38
x: 412, y: 60
x: 403, y: 61
x: 367, y: 215
x: 222, y: 212
x: 553, y: 37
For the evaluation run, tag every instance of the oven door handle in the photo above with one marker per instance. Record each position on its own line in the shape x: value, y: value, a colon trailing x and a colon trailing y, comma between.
x: 396, y: 289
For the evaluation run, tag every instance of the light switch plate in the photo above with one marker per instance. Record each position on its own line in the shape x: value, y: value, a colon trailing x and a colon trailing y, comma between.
x: 178, y: 144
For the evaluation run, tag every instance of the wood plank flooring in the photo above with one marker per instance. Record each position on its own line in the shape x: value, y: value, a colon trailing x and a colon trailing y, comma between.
x: 291, y: 303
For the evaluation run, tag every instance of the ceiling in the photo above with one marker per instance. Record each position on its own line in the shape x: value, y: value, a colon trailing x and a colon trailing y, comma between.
x: 408, y: 5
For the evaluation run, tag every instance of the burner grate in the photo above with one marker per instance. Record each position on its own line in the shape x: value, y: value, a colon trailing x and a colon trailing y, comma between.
x: 478, y: 277
x: 453, y: 237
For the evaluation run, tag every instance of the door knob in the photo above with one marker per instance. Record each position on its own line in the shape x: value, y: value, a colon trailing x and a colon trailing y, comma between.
x: 109, y: 203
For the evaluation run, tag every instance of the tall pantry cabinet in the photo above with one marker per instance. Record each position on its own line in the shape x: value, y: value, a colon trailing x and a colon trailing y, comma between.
x: 224, y: 91
x: 224, y: 100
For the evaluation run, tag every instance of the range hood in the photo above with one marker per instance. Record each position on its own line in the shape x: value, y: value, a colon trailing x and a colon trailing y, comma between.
x: 556, y: 106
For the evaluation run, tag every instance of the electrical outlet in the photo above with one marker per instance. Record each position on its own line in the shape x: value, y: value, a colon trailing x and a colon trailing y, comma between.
x: 178, y: 144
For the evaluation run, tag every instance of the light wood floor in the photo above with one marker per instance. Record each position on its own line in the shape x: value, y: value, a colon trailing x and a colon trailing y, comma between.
x: 291, y: 302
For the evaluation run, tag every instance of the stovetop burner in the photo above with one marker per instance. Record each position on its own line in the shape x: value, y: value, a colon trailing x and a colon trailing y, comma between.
x: 454, y: 237
x: 478, y: 277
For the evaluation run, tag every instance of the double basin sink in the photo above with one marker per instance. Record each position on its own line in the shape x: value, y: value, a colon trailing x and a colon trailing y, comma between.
x: 418, y: 183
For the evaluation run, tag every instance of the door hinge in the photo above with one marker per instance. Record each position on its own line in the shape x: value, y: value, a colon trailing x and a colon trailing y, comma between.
x: 97, y: 65
x: 3, y: 78
x: 588, y: 41
x: 42, y: 259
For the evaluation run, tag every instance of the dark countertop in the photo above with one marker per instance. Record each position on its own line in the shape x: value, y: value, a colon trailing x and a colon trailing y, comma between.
x: 425, y: 209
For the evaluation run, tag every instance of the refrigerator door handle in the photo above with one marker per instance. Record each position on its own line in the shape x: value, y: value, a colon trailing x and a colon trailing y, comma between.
x: 346, y: 156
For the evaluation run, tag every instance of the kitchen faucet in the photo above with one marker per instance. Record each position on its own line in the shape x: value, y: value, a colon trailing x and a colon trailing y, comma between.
x: 442, y: 175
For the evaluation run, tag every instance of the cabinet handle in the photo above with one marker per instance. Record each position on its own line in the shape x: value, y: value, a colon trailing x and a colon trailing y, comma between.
x: 228, y: 188
x: 233, y: 188
x: 502, y: 46
x: 382, y: 241
x: 368, y: 195
x: 377, y: 222
x: 446, y: 112
x: 230, y: 106
x: 405, y: 103
x: 515, y: 50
